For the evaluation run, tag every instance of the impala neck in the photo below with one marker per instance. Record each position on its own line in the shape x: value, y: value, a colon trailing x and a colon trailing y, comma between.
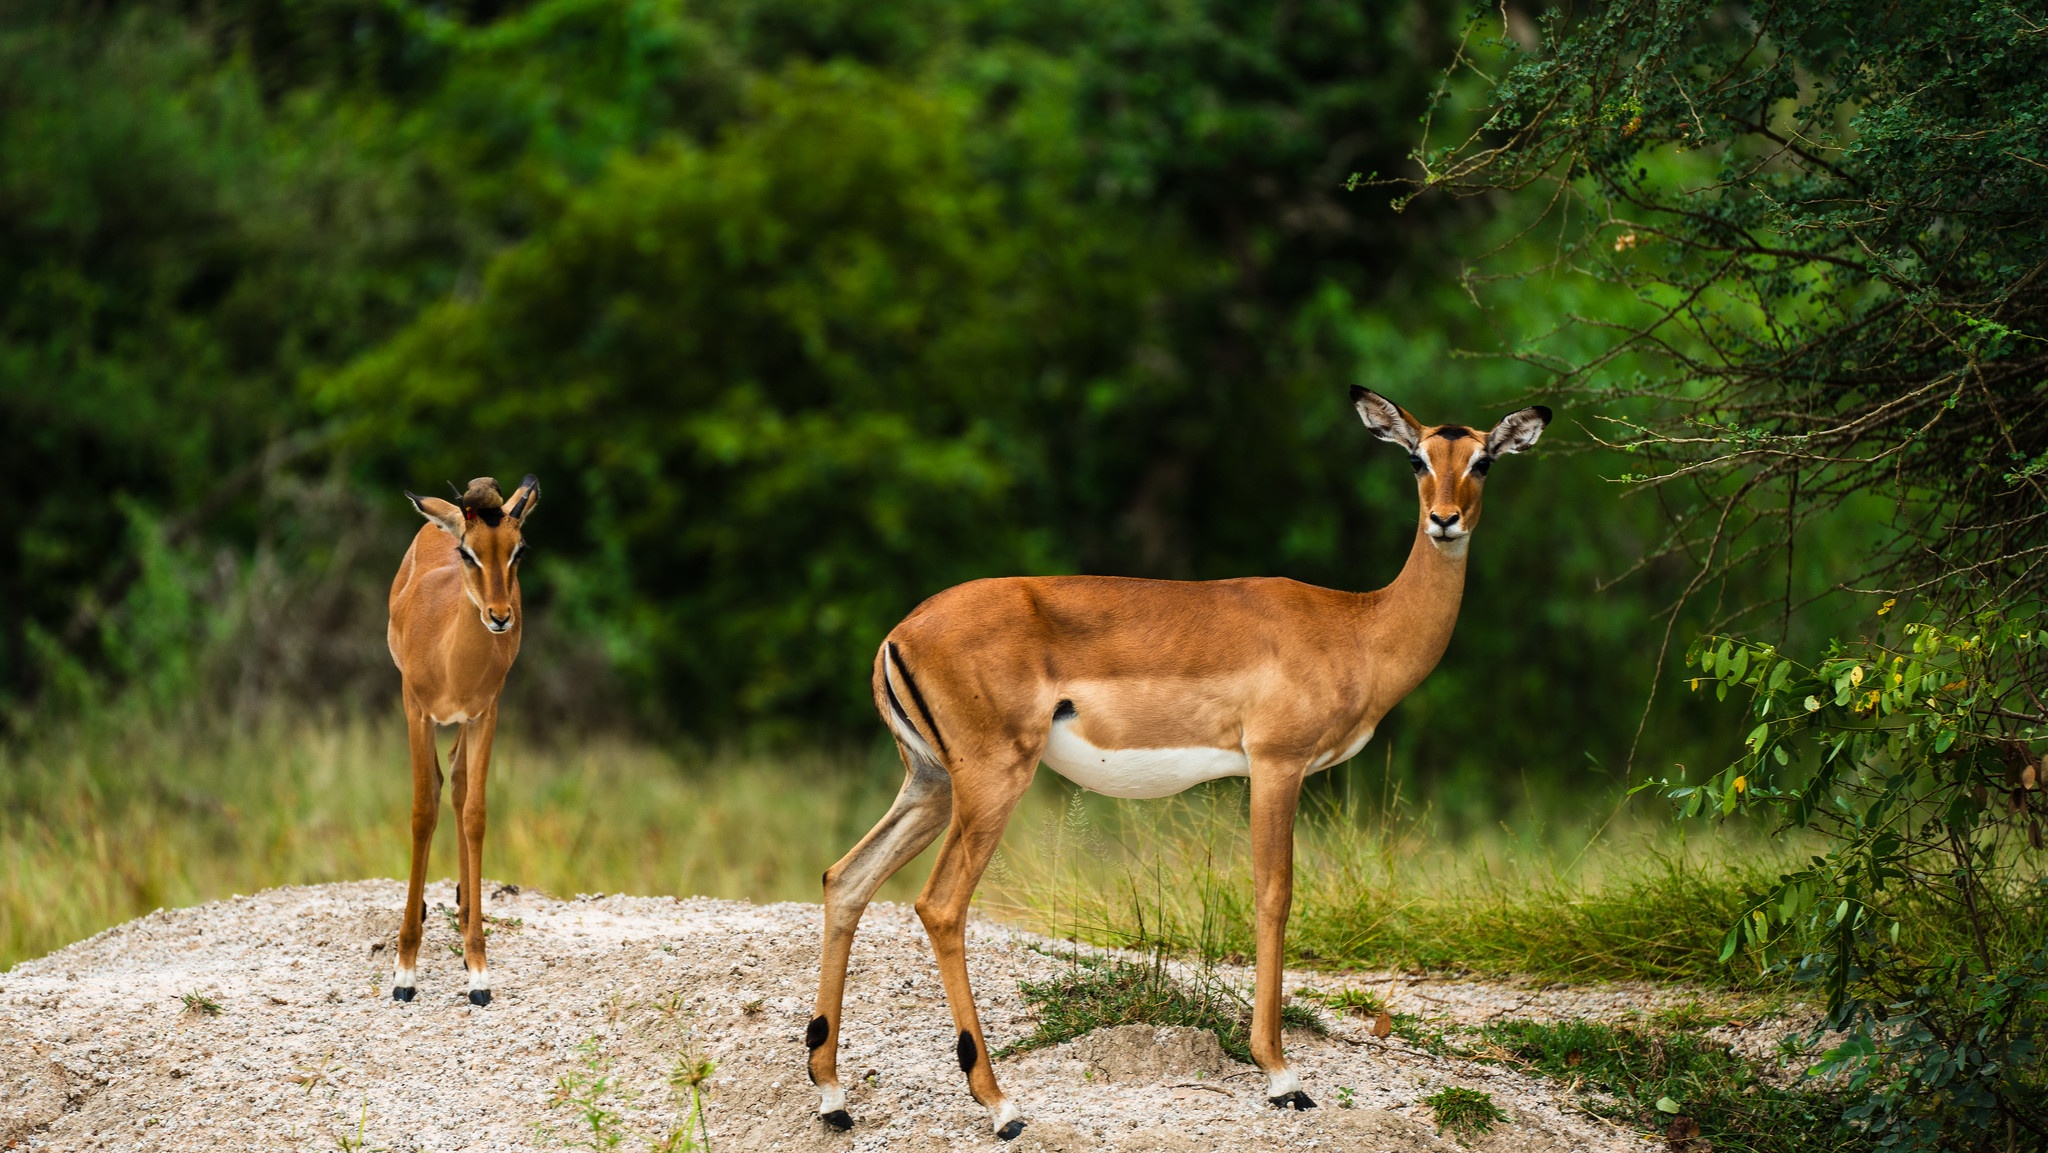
x: 1409, y: 622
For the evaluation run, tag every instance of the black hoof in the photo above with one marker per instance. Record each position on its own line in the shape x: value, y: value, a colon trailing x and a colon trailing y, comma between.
x: 839, y: 1119
x: 1296, y: 1100
x: 479, y: 996
x: 401, y: 993
x: 1009, y: 1132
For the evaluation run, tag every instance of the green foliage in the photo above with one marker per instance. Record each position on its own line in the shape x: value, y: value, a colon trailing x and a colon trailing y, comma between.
x: 1924, y: 920
x: 1098, y: 992
x: 801, y: 311
x: 201, y: 1005
x: 1835, y: 220
x: 590, y: 1093
x: 1674, y: 1081
x: 1466, y: 1112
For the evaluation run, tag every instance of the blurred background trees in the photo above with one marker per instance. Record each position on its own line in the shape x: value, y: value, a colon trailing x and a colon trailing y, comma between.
x: 801, y: 311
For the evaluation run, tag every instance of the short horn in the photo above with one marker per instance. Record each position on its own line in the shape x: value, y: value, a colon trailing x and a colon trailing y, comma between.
x: 528, y: 489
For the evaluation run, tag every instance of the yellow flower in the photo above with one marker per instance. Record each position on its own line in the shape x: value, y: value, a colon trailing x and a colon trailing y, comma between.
x: 1741, y: 784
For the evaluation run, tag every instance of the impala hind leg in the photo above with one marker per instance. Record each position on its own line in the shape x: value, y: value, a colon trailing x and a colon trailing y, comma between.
x: 475, y: 740
x: 1275, y: 797
x: 979, y: 817
x: 919, y: 815
x: 426, y: 811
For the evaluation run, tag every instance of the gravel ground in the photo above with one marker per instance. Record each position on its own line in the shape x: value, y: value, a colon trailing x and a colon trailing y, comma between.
x: 99, y: 1050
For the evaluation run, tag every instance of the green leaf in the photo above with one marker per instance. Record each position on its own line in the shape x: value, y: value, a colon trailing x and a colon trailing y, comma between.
x: 1666, y: 1105
x: 1943, y: 740
x: 1780, y: 674
x: 1731, y: 942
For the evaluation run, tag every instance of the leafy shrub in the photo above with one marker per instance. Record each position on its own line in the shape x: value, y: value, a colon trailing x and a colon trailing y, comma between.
x: 1925, y: 918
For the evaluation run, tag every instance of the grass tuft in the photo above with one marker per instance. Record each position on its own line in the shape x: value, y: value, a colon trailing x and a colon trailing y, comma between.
x: 1350, y: 1002
x: 1467, y: 1112
x: 1101, y: 992
x: 201, y: 1005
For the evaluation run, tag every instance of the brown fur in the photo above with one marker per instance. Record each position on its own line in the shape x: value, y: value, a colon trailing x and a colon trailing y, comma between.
x: 452, y: 668
x: 1290, y: 674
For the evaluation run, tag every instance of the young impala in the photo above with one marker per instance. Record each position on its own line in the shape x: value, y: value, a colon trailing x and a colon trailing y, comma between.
x: 454, y: 634
x: 1142, y: 688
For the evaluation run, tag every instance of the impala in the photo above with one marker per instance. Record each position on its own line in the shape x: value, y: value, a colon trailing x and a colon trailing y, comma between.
x: 454, y: 634
x: 1143, y: 688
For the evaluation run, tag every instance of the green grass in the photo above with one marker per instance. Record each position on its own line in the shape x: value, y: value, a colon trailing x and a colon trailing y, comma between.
x: 1663, y: 1078
x: 1467, y: 1112
x: 1100, y: 992
x: 201, y: 1005
x: 104, y: 821
x: 1388, y: 891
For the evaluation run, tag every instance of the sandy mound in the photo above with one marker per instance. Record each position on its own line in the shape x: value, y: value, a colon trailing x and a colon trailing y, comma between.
x: 99, y: 1050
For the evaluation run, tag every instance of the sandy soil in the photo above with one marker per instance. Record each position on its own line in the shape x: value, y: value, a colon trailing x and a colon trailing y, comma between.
x: 98, y: 1049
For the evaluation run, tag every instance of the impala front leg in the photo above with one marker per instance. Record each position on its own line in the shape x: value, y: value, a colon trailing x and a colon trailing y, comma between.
x: 426, y: 811
x: 458, y: 788
x: 1276, y: 792
x: 476, y: 741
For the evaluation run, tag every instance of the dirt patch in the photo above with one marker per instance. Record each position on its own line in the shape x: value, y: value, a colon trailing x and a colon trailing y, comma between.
x: 99, y: 1047
x: 1145, y: 1053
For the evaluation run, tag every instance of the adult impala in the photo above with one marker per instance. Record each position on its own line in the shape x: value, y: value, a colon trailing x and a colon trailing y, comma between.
x: 454, y: 634
x: 1142, y: 688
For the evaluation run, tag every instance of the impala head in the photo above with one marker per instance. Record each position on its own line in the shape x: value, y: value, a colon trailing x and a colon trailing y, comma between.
x: 487, y: 531
x: 1450, y: 460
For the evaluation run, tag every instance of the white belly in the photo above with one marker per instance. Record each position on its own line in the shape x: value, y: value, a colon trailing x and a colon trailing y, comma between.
x: 1137, y: 773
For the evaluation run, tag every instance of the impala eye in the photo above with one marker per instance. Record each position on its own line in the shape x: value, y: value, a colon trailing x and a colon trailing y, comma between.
x: 519, y: 554
x: 1479, y: 467
x: 468, y: 557
x: 1416, y: 462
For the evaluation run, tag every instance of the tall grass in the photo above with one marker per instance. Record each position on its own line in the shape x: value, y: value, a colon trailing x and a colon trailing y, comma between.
x: 1386, y: 890
x: 105, y: 820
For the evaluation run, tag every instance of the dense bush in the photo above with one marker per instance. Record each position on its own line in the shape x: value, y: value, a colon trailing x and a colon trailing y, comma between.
x: 1835, y: 221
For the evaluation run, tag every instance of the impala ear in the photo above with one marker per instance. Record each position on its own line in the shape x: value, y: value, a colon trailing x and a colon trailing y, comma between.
x: 525, y: 499
x: 1517, y: 431
x: 1386, y: 419
x: 443, y: 515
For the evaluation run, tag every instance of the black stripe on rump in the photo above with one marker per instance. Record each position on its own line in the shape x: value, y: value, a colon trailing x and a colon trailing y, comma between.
x: 916, y: 697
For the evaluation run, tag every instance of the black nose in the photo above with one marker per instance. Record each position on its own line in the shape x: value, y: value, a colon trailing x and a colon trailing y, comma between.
x: 499, y: 620
x: 1443, y: 521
